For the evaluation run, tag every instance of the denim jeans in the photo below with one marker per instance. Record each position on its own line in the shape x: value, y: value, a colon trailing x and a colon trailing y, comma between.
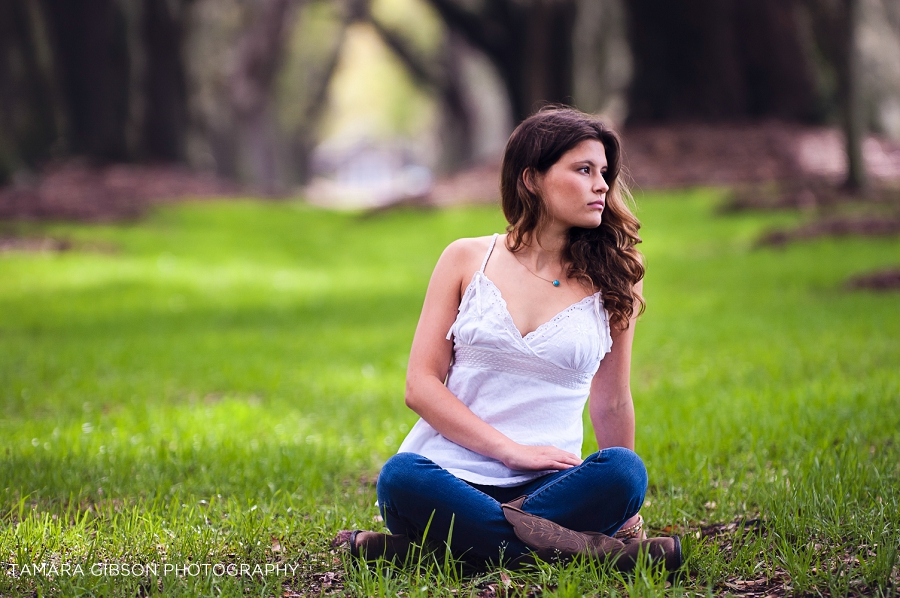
x: 599, y: 495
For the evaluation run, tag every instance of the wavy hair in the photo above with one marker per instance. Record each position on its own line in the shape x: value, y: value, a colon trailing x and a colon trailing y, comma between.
x: 606, y: 256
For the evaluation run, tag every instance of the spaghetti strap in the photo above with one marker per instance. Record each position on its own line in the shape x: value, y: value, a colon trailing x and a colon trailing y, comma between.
x: 489, y: 251
x: 483, y: 265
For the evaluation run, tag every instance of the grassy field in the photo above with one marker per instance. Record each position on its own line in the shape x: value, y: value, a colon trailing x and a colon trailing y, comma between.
x: 193, y: 397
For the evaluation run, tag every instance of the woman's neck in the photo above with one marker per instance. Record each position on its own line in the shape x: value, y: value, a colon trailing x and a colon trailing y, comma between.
x: 544, y: 251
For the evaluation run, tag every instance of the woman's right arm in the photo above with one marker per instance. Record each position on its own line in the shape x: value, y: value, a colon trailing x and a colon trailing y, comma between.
x: 429, y: 362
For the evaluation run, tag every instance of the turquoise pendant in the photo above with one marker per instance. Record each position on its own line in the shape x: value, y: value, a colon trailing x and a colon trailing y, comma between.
x: 556, y: 283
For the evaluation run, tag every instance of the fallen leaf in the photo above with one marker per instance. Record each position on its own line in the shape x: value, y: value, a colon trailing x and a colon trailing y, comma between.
x: 505, y: 580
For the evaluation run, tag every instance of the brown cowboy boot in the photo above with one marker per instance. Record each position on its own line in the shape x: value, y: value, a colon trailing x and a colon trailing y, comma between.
x: 665, y: 549
x: 370, y: 546
x: 551, y: 541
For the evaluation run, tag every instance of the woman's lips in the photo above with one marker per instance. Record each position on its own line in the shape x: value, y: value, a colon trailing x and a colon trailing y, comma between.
x: 596, y: 204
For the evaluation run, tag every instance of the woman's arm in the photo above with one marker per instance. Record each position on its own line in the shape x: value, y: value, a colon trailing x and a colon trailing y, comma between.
x: 429, y: 362
x: 611, y: 408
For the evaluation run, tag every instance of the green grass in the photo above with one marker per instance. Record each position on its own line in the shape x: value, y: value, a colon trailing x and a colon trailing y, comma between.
x: 219, y: 384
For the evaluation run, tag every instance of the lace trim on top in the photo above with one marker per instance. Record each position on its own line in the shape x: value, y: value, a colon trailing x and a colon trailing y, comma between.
x: 481, y: 358
x: 549, y: 325
x: 495, y: 297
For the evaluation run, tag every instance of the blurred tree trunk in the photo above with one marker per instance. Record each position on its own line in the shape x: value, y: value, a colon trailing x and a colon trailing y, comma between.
x: 718, y: 60
x: 29, y: 112
x: 443, y: 75
x: 261, y: 74
x: 319, y: 69
x: 90, y: 52
x: 304, y: 137
x: 67, y: 81
x: 529, y: 42
x: 602, y: 60
x: 260, y: 53
x: 165, y: 117
x: 854, y: 117
x: 457, y: 127
x: 835, y: 25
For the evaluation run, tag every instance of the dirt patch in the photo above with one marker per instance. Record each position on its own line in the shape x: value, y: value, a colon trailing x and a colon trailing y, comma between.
x: 809, y: 194
x: 836, y: 211
x: 15, y: 243
x: 884, y: 280
x: 34, y: 244
x: 729, y: 154
x: 729, y: 538
x: 726, y: 537
x: 76, y: 190
x: 872, y: 226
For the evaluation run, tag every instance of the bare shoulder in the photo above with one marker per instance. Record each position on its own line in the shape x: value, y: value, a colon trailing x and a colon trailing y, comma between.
x: 465, y: 255
x: 459, y: 262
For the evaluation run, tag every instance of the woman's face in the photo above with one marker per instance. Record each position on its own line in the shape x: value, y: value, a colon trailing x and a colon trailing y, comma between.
x: 573, y: 189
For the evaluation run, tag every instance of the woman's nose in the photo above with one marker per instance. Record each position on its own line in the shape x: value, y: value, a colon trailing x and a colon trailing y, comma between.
x: 600, y: 185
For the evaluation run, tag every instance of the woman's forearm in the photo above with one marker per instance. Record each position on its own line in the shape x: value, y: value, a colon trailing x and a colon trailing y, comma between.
x: 427, y: 396
x: 613, y: 423
x: 433, y: 402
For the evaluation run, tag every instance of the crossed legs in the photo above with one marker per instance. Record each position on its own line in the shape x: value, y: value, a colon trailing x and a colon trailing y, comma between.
x: 416, y: 495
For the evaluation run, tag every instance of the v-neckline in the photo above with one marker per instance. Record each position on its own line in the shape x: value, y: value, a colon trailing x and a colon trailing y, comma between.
x: 512, y: 322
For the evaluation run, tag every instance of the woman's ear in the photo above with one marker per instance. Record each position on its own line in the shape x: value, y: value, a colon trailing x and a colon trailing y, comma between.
x: 528, y: 178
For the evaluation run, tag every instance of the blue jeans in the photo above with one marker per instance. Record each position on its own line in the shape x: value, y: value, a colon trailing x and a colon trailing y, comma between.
x: 599, y: 495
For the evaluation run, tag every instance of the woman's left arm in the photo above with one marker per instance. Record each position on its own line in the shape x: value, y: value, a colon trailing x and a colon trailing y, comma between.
x: 610, y: 407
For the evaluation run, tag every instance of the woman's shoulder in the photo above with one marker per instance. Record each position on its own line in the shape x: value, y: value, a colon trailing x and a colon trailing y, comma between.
x: 471, y: 246
x: 469, y: 250
x: 463, y: 257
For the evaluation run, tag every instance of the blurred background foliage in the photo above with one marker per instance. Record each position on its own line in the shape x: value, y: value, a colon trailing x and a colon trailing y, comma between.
x: 272, y: 92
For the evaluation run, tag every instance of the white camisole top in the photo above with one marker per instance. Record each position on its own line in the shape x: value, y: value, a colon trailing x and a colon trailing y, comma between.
x: 532, y: 389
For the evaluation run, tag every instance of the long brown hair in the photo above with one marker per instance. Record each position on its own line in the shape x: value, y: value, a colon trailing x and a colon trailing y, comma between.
x: 607, y: 255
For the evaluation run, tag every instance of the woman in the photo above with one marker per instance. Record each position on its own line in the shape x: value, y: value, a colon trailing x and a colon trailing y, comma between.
x: 517, y: 331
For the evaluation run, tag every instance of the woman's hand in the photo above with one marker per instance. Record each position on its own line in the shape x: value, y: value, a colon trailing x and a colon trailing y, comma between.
x: 523, y: 457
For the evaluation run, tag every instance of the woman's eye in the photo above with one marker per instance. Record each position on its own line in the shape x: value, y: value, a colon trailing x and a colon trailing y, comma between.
x: 585, y: 169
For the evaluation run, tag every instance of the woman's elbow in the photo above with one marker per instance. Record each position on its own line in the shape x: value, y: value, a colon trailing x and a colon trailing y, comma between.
x: 421, y: 389
x: 411, y: 396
